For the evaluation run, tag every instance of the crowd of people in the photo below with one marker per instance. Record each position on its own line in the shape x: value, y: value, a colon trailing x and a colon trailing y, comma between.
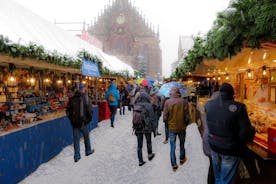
x: 227, y: 128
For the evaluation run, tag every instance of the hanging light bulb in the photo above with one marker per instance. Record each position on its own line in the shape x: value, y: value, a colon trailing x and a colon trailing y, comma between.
x: 69, y: 81
x: 59, y: 81
x: 249, y: 60
x: 47, y: 80
x: 219, y: 78
x: 208, y: 78
x: 264, y: 56
x: 12, y: 79
x: 249, y: 74
x: 264, y: 70
x: 227, y: 77
x: 32, y: 80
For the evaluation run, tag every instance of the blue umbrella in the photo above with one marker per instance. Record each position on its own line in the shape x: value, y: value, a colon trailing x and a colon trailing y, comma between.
x: 150, y: 80
x: 166, y: 88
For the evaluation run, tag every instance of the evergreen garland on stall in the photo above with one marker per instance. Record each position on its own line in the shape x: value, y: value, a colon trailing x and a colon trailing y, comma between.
x: 245, y: 23
x: 38, y: 52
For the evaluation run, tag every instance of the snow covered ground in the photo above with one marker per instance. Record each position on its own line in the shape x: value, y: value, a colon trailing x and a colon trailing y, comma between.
x: 115, y: 159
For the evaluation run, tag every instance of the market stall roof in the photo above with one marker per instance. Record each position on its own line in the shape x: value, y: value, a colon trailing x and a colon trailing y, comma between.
x: 23, y: 26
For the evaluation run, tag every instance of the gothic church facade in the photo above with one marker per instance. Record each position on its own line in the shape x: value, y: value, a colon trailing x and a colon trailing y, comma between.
x: 125, y: 33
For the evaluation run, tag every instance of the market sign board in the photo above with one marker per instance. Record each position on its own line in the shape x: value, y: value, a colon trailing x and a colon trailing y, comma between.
x: 89, y: 68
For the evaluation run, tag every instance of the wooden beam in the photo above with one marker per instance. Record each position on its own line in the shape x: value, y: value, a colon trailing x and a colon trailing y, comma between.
x: 27, y: 62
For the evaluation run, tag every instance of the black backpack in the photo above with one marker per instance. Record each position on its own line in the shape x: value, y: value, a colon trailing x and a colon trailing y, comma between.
x: 76, y: 103
x: 138, y: 122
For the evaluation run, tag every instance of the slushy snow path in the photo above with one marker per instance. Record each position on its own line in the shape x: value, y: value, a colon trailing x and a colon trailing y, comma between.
x: 115, y: 159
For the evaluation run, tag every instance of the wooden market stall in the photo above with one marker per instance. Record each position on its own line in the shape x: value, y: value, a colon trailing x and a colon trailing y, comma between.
x: 252, y: 72
x: 34, y: 126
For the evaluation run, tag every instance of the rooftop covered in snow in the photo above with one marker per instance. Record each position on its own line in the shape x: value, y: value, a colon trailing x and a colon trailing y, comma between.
x: 23, y: 26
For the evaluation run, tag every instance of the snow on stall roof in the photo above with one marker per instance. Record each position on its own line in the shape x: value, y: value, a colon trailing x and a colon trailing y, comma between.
x: 23, y: 26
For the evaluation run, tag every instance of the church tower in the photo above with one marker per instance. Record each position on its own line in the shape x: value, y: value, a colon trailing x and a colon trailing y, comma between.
x: 125, y: 33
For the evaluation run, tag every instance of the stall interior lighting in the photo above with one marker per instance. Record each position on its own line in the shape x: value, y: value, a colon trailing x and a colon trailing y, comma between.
x: 32, y: 80
x: 264, y: 56
x: 12, y: 79
x: 208, y: 78
x: 249, y: 60
x: 219, y: 78
x: 249, y: 74
x: 274, y: 61
x: 47, y: 80
x: 59, y: 81
x: 69, y: 81
x: 84, y: 82
x: 227, y: 77
x: 264, y: 70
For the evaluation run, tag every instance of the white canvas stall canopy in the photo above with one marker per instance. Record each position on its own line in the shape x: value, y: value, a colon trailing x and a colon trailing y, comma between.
x: 23, y: 26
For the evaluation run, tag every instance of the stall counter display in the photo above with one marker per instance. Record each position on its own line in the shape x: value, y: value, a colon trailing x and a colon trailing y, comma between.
x: 24, y: 107
x: 262, y: 117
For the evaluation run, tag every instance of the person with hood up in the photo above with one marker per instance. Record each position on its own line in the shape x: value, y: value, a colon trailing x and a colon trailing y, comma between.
x: 176, y: 113
x: 113, y: 97
x: 148, y: 118
x: 229, y: 132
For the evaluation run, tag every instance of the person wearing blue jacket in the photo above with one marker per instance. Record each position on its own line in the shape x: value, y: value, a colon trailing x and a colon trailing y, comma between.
x: 113, y: 97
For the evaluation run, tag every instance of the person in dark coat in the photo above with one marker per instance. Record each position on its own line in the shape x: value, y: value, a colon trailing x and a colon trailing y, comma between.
x: 150, y: 126
x: 163, y: 100
x: 229, y: 132
x: 124, y: 100
x: 205, y: 143
x: 78, y: 114
x: 156, y: 104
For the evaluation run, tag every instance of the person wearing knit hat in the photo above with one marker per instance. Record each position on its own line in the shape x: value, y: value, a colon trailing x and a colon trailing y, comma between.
x: 227, y: 88
x: 80, y: 114
x: 229, y: 132
x: 81, y: 86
